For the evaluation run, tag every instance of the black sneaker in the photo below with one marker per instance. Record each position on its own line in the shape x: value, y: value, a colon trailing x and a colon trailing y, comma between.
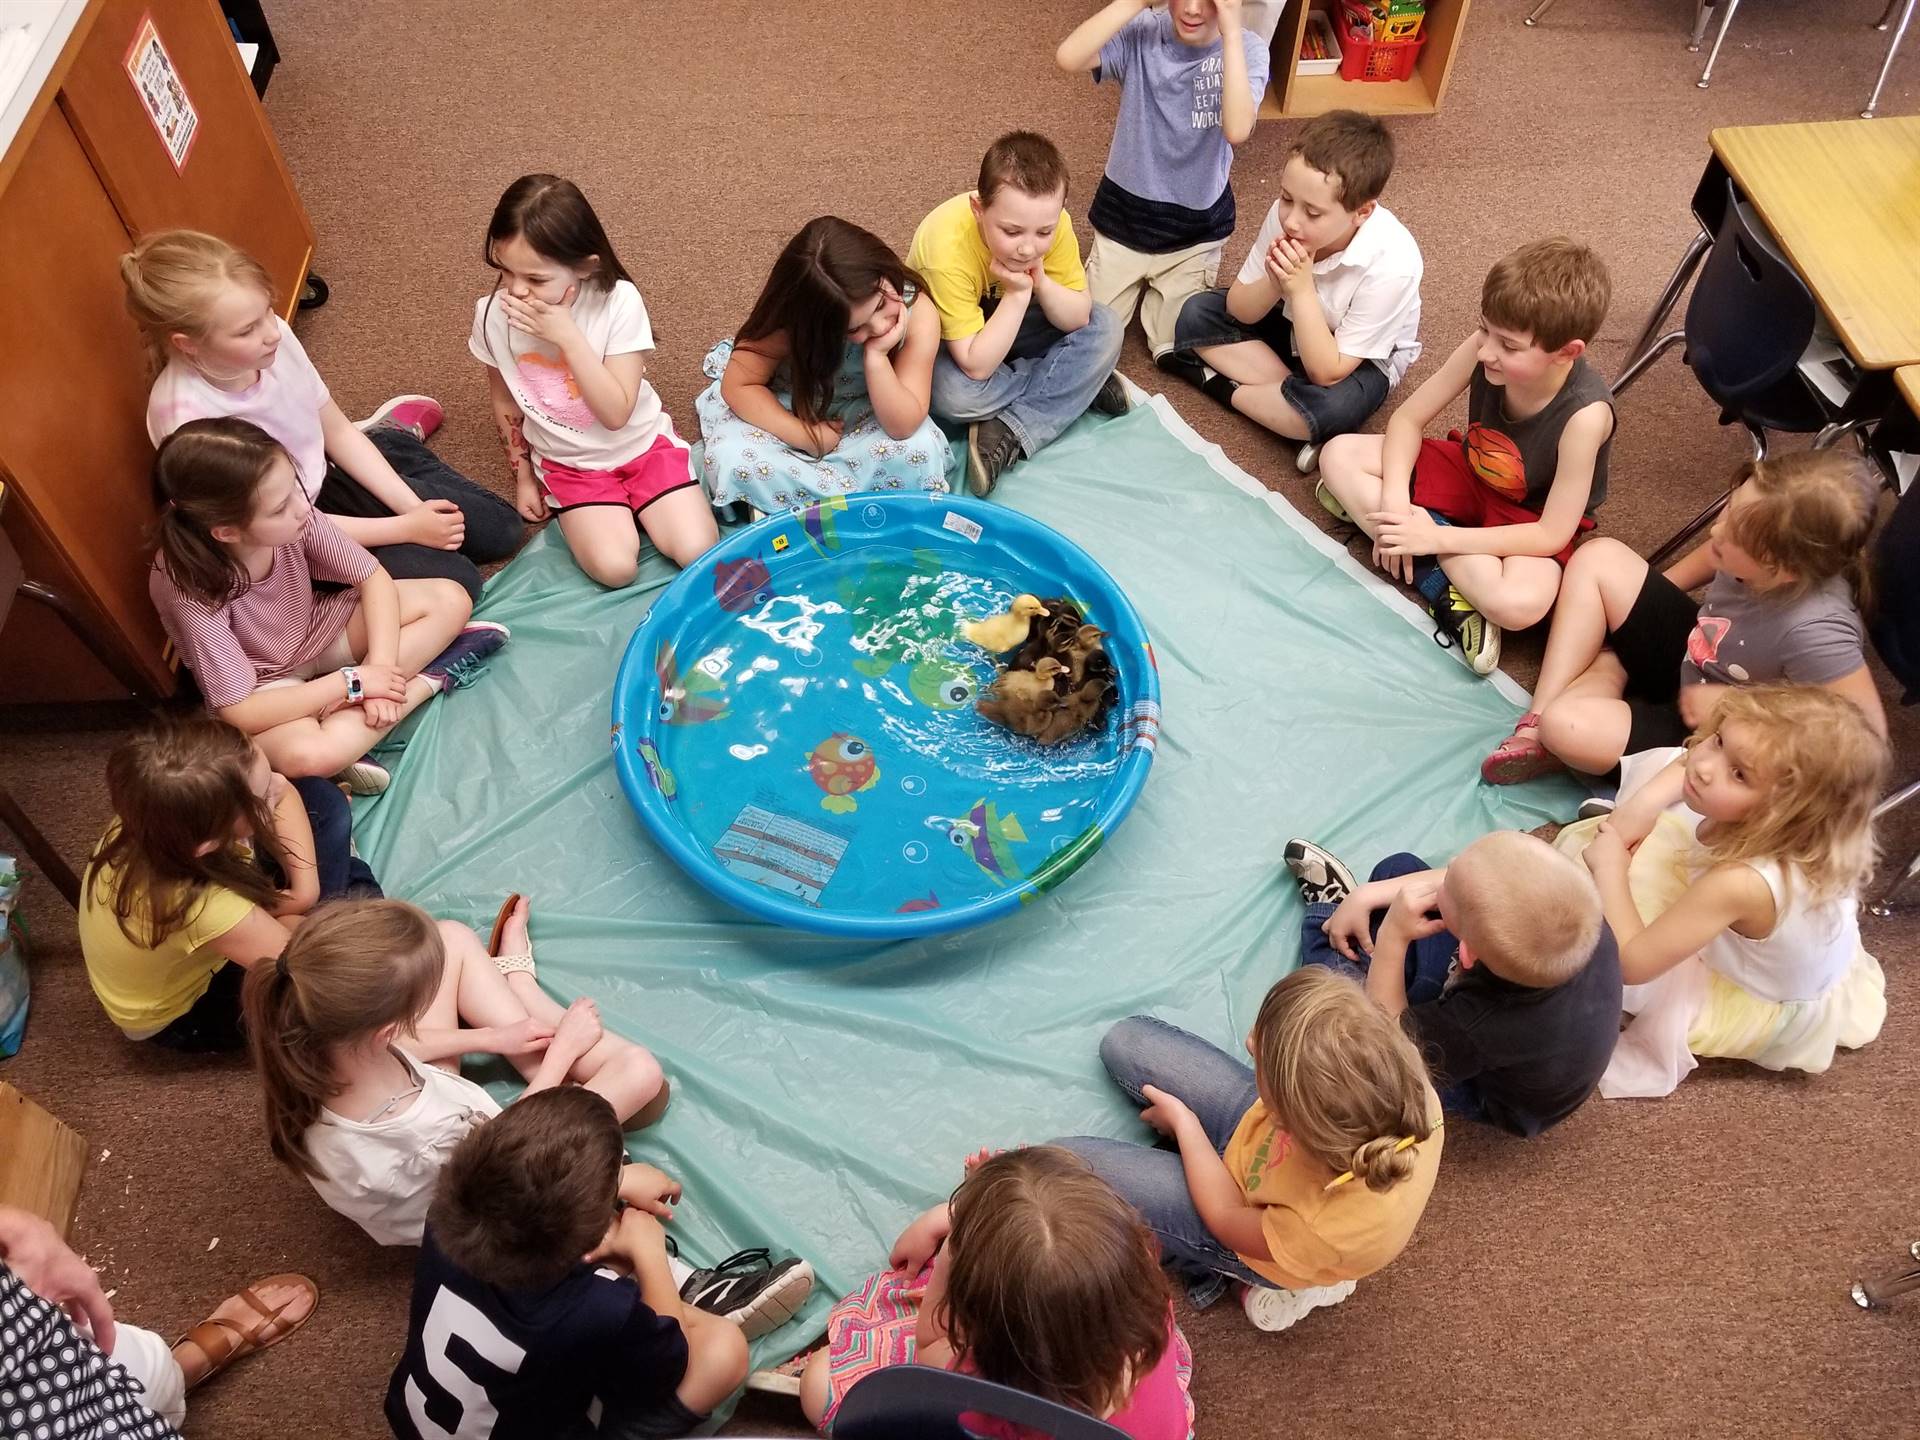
x: 1322, y: 879
x: 464, y: 661
x: 752, y: 1291
x: 1113, y: 398
x: 991, y: 448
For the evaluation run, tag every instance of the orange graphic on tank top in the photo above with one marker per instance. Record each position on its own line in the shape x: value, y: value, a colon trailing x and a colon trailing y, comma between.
x: 1496, y: 460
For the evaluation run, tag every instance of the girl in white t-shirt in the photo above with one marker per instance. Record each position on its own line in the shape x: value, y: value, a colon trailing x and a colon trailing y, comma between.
x: 358, y: 1029
x: 1748, y: 848
x: 564, y: 337
x: 206, y: 312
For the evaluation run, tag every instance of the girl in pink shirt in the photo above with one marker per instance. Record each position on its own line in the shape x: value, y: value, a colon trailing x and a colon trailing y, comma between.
x: 296, y: 635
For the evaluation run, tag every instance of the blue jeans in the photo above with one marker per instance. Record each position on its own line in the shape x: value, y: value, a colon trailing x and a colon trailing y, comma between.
x: 1045, y: 384
x: 342, y: 873
x: 1329, y: 410
x: 1142, y: 1051
x: 1428, y: 962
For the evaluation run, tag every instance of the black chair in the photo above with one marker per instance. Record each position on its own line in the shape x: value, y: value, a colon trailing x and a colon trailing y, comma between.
x: 1750, y: 319
x: 918, y: 1402
x: 1895, y: 630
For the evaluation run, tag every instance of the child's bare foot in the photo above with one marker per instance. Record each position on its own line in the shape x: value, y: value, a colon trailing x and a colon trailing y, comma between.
x: 579, y: 1031
x: 263, y: 1314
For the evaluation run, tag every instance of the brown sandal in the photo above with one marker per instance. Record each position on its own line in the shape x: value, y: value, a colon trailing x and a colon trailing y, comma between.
x: 519, y: 963
x: 224, y: 1342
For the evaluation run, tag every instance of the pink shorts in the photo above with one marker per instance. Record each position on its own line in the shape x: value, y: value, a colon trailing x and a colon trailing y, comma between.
x: 659, y: 470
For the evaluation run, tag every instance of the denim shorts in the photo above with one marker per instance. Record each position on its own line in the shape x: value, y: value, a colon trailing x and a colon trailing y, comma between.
x: 1329, y: 410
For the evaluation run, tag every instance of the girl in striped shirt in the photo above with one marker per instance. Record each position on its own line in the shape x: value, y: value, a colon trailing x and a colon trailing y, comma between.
x: 296, y: 635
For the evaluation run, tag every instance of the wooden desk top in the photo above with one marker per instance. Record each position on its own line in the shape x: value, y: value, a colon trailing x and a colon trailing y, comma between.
x: 1843, y: 199
x: 1907, y: 377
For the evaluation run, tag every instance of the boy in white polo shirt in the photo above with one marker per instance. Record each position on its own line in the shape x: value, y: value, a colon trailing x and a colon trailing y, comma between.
x: 1324, y: 317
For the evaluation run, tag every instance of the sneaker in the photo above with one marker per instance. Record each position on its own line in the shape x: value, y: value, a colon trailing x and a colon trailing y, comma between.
x: 1273, y: 1310
x: 1457, y: 622
x: 1322, y: 879
x: 782, y: 1379
x: 460, y: 664
x: 1307, y: 459
x: 1595, y: 806
x: 991, y: 448
x: 1327, y: 503
x: 420, y: 414
x: 1113, y: 398
x: 752, y: 1291
x: 365, y: 776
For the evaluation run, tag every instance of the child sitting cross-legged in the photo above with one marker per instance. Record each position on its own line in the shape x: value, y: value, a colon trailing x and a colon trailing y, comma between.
x: 1037, y: 1276
x: 1500, y: 964
x: 1295, y: 1177
x: 542, y: 1308
x: 1482, y: 524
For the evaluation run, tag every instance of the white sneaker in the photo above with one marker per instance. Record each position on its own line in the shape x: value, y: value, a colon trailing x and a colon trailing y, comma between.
x: 1275, y: 1310
x: 365, y: 776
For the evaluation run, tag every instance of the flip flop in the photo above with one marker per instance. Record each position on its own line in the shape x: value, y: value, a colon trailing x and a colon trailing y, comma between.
x: 224, y: 1342
x: 520, y: 963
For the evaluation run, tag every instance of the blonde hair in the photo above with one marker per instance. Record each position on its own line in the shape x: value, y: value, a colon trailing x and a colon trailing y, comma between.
x: 1557, y: 290
x: 1341, y: 1076
x: 1824, y: 768
x: 353, y: 967
x: 173, y: 277
x: 1811, y: 513
x: 1529, y: 913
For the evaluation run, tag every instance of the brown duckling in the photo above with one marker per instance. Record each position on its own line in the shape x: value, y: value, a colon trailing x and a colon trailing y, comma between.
x: 1024, y: 701
x: 1079, y: 711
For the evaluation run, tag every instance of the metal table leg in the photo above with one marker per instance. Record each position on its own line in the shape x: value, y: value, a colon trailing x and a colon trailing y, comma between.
x: 1893, y: 49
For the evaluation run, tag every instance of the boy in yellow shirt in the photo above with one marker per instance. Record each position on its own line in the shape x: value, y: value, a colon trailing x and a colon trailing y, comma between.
x: 1025, y: 351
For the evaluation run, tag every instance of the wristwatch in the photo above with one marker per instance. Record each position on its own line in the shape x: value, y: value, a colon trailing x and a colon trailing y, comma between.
x: 356, y: 692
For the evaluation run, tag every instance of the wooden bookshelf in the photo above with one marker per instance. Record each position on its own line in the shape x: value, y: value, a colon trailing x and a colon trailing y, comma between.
x: 1296, y: 95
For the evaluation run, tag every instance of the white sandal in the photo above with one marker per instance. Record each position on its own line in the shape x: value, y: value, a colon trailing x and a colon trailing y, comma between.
x: 521, y: 961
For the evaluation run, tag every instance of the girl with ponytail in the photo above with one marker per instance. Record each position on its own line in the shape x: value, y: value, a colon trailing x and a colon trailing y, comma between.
x: 1296, y: 1176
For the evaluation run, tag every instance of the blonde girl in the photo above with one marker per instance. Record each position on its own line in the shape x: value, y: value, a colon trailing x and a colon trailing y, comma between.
x: 564, y: 336
x: 1634, y: 664
x: 357, y: 1030
x: 205, y: 310
x: 175, y: 905
x: 1296, y: 1176
x: 1035, y: 1275
x: 315, y: 673
x: 1747, y: 848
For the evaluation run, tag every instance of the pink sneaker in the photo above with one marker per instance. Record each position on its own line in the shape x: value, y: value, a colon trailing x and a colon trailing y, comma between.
x: 421, y: 414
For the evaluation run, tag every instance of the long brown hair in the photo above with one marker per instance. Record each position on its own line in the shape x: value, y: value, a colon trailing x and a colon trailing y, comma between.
x: 353, y: 967
x: 1811, y: 513
x: 208, y: 473
x: 172, y: 278
x: 554, y: 218
x: 1342, y: 1077
x: 1824, y: 767
x: 1053, y: 1283
x: 824, y: 271
x: 176, y: 787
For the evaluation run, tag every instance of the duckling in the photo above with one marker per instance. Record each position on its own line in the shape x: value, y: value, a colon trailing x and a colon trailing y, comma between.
x: 1079, y: 711
x: 1003, y: 632
x: 1023, y: 701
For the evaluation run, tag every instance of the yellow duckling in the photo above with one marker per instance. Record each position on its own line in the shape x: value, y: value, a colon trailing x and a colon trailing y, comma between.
x: 1000, y: 633
x: 1024, y: 701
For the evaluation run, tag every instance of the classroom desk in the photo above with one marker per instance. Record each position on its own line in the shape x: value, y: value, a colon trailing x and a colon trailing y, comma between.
x: 1842, y: 198
x: 1907, y: 378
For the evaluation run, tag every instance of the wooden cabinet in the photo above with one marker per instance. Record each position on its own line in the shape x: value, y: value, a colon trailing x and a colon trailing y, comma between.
x: 85, y: 174
x: 1293, y: 94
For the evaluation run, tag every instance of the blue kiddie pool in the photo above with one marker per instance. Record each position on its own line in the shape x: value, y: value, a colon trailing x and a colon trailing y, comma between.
x: 794, y: 719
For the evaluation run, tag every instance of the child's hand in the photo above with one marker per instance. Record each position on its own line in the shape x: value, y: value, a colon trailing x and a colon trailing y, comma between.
x: 631, y: 1240
x: 1166, y: 1113
x: 437, y: 524
x: 1229, y: 13
x: 918, y: 1241
x: 645, y: 1188
x: 382, y: 682
x: 522, y: 1037
x: 528, y: 498
x: 380, y: 714
x: 1607, y: 855
x: 1410, y: 917
x: 980, y: 1157
x: 881, y: 346
x: 1397, y: 567
x: 579, y: 1029
x: 1013, y: 282
x: 1289, y: 264
x: 1349, y: 930
x: 823, y: 437
x: 1409, y: 534
x: 551, y: 323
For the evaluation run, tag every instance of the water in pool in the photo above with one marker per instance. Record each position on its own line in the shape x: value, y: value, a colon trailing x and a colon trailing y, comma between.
x: 819, y: 738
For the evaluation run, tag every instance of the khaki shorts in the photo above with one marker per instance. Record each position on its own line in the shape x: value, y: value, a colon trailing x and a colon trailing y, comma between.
x: 1157, y: 285
x: 336, y: 656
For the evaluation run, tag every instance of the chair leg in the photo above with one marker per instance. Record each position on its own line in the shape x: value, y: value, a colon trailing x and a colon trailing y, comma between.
x: 1831, y: 435
x: 1869, y: 1293
x: 1533, y: 16
x: 1883, y: 906
x: 1886, y: 19
x: 1726, y: 23
x: 1682, y: 537
x: 1640, y: 366
x: 1662, y: 307
x: 1702, y: 15
x: 1893, y: 49
x: 38, y: 850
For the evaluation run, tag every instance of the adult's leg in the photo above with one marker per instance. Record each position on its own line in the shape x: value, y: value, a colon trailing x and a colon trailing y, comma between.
x: 494, y: 527
x: 605, y: 540
x: 1511, y: 591
x: 150, y: 1362
x: 680, y: 524
x: 1141, y: 1051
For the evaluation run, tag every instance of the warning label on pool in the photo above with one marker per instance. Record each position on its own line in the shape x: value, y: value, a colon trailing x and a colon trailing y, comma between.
x: 780, y: 852
x: 960, y: 525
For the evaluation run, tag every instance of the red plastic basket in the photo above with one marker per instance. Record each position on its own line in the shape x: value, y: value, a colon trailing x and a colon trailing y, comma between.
x: 1378, y: 60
